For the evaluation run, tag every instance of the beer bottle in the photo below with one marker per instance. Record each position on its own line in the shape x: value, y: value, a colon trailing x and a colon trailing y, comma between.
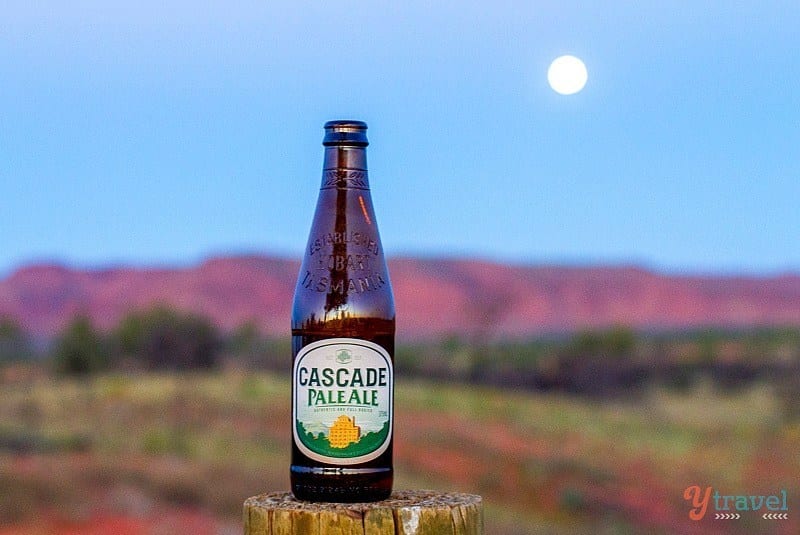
x: 343, y: 326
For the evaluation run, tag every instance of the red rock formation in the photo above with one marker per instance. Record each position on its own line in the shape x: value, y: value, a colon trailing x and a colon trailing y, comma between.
x: 435, y: 297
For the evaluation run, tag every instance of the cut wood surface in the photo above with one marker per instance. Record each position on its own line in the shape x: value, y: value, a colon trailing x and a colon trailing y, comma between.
x: 406, y: 512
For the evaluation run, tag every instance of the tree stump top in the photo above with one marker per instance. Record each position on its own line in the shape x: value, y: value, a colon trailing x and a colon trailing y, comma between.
x: 406, y: 512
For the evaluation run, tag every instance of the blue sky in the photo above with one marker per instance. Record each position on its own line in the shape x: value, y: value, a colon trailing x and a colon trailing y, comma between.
x: 151, y: 134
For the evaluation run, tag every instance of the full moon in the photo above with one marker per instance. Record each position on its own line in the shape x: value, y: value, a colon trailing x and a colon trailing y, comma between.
x: 567, y: 75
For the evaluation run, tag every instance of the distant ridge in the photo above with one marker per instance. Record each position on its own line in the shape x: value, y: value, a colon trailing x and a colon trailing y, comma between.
x: 434, y: 297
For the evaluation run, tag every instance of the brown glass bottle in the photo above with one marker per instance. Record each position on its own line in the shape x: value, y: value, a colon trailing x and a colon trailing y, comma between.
x: 343, y: 325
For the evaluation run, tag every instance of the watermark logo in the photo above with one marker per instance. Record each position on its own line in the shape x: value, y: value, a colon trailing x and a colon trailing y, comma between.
x: 732, y: 507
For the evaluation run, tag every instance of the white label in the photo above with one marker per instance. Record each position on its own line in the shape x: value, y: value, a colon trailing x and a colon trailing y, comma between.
x: 342, y: 402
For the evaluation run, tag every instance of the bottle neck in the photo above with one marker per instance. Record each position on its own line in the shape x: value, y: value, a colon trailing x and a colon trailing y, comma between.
x: 345, y: 167
x: 344, y: 157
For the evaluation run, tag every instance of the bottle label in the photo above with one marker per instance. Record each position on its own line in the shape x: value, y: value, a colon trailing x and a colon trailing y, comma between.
x: 342, y: 401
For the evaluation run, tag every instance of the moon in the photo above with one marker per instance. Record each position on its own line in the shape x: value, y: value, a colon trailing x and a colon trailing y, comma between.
x: 567, y: 75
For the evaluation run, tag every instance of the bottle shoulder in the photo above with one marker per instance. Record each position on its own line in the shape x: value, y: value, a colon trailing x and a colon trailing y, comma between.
x: 324, y: 304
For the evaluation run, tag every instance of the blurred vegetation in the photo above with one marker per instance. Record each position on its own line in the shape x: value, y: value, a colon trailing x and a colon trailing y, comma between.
x: 166, y: 339
x: 15, y: 344
x: 587, y: 432
x: 79, y: 349
x: 157, y: 339
x: 136, y: 445
x: 617, y: 362
x: 247, y: 348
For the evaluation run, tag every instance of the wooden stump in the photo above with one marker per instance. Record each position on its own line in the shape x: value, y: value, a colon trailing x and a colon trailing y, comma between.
x: 406, y: 512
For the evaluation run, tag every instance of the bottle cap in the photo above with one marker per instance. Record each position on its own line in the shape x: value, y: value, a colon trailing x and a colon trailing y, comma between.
x: 349, y: 133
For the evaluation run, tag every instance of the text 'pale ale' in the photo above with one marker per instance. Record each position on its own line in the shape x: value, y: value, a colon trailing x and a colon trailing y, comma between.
x: 343, y: 325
